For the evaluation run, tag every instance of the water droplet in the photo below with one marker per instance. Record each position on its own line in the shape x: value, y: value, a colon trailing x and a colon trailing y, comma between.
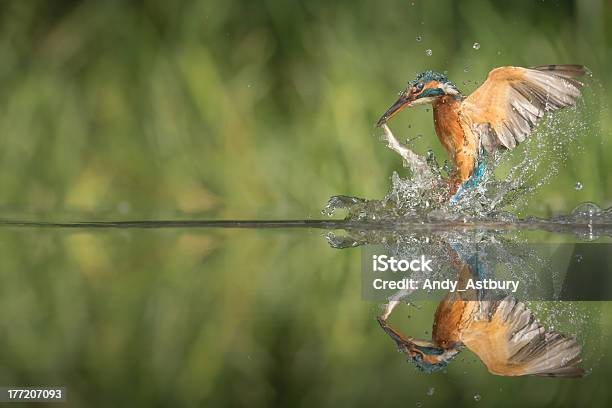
x: 428, y: 52
x: 578, y: 258
x: 586, y: 210
x: 430, y: 391
x: 419, y: 404
x: 466, y: 69
x: 578, y: 186
x: 419, y: 38
x: 476, y: 46
x: 477, y: 397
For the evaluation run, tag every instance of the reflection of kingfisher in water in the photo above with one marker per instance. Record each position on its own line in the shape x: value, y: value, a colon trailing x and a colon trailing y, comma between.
x: 501, y: 331
x: 500, y: 113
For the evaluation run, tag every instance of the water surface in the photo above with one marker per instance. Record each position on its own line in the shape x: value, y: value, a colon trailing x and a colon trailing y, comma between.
x: 183, y: 313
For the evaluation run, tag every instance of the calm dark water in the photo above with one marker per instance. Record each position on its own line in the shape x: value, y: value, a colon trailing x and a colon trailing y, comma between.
x: 185, y: 314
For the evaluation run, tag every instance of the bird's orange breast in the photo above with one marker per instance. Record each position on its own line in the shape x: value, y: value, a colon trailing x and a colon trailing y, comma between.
x: 460, y: 145
x: 447, y: 321
x: 456, y: 310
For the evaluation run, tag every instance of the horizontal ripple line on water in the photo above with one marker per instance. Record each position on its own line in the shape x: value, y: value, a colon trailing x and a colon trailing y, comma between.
x: 552, y: 225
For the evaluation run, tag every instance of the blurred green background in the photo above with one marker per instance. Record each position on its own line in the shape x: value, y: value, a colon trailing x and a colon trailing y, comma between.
x: 259, y: 109
x: 246, y: 109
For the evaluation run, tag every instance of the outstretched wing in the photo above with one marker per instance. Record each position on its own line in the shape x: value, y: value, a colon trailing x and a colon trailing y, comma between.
x: 507, y: 106
x: 511, y: 342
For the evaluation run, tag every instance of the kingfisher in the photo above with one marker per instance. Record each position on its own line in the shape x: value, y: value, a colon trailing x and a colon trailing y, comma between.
x: 503, y: 334
x: 500, y: 114
x: 500, y: 330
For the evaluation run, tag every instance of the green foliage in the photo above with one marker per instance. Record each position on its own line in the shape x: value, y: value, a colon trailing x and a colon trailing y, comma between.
x: 255, y: 110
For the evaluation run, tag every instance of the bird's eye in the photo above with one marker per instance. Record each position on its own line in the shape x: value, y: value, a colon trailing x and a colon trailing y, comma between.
x: 419, y: 87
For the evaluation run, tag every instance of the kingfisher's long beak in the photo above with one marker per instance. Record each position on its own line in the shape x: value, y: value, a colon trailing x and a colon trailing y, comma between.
x: 401, y: 340
x: 403, y: 101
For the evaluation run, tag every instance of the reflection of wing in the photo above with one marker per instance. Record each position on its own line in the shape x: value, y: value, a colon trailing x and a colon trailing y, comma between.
x: 513, y: 343
x: 506, y: 107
